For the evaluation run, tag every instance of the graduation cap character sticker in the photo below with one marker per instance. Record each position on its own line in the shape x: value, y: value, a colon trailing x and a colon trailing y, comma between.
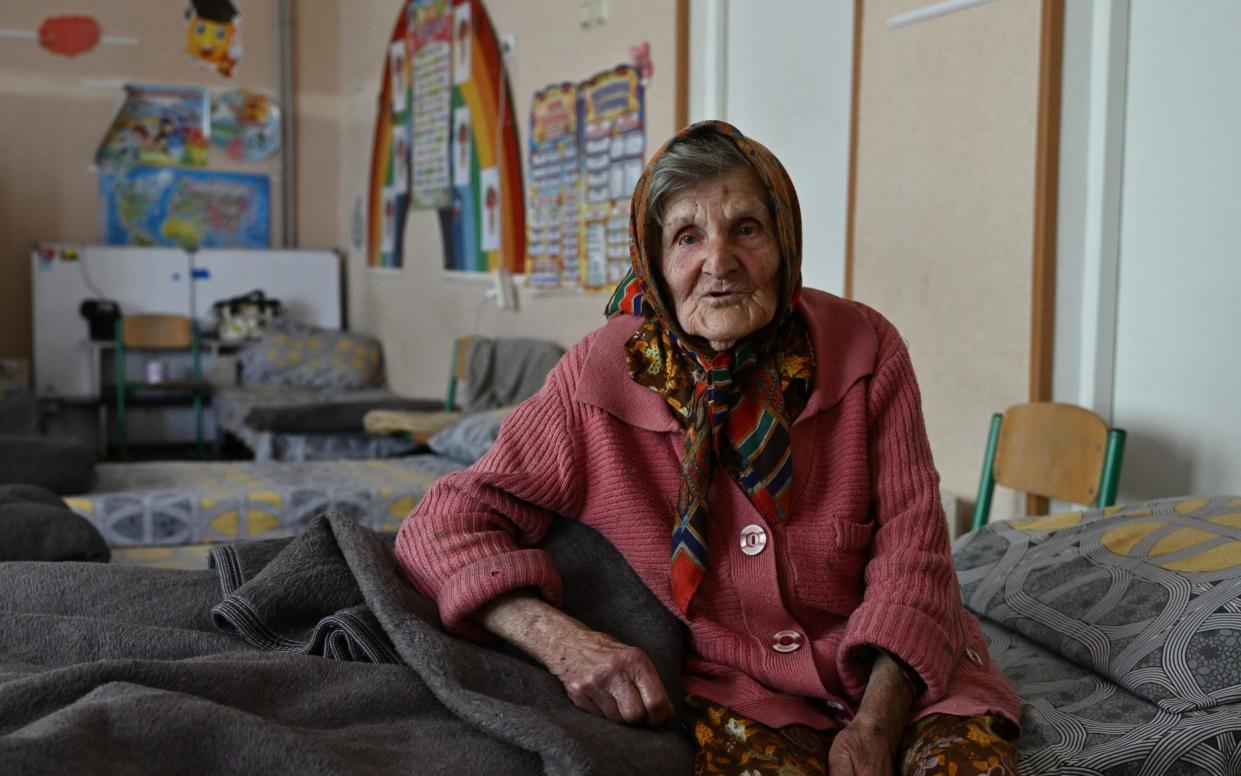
x: 213, y: 37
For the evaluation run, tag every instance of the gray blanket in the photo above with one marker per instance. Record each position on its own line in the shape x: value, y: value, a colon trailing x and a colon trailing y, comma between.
x: 130, y: 670
x: 36, y: 524
x: 504, y: 372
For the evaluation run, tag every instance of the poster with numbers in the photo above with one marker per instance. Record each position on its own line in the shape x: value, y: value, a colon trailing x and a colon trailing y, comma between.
x: 430, y: 44
x: 612, y: 143
x: 552, y: 192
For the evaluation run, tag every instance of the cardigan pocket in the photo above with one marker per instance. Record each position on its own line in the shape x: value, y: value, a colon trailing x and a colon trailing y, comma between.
x: 828, y: 564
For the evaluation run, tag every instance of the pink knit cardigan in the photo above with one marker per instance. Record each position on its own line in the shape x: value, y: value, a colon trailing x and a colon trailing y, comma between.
x: 862, y: 561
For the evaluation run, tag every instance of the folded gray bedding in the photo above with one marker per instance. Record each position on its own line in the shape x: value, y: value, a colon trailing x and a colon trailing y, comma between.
x: 329, y: 417
x: 36, y: 524
x: 124, y: 670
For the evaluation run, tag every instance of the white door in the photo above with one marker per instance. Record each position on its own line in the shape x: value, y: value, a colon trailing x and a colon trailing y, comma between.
x: 1177, y: 387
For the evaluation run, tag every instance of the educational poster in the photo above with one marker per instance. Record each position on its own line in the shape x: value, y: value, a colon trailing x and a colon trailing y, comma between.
x: 187, y: 208
x: 398, y: 73
x: 462, y: 134
x: 400, y: 158
x: 489, y: 206
x: 245, y: 124
x: 552, y: 195
x: 463, y: 155
x: 213, y: 36
x: 157, y: 125
x: 461, y: 44
x: 430, y: 41
x: 612, y: 139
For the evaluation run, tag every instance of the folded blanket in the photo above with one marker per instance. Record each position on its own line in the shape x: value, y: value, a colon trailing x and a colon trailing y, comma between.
x: 418, y: 426
x: 329, y: 417
x: 60, y: 466
x: 504, y: 372
x: 35, y: 524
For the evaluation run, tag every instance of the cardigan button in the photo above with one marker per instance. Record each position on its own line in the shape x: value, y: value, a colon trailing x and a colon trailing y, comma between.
x: 753, y: 539
x: 786, y: 641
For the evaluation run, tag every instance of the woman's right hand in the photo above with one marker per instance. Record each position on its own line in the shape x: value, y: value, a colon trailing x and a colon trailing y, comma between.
x: 600, y: 674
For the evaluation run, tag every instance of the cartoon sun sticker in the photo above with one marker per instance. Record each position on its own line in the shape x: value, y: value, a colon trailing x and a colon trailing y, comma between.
x: 214, y: 34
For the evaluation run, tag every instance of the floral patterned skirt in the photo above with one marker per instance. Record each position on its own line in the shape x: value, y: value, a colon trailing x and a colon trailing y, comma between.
x: 729, y: 743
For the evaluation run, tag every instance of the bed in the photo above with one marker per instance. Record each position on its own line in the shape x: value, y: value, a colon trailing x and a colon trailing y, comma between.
x: 305, y: 392
x: 177, y: 503
x: 1121, y: 630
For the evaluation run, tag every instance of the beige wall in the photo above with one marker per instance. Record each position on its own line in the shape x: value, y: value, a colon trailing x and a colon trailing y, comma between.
x: 418, y: 310
x: 944, y: 212
x: 54, y: 111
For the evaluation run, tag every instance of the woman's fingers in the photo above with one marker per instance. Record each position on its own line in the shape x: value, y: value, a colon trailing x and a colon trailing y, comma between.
x: 655, y: 700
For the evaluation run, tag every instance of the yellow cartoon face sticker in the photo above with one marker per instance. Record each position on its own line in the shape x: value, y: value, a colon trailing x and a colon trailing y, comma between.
x: 212, y: 35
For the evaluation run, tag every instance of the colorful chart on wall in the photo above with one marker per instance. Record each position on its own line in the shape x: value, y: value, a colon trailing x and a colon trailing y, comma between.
x: 185, y: 208
x: 157, y: 125
x: 446, y: 138
x: 587, y: 151
x: 553, y: 192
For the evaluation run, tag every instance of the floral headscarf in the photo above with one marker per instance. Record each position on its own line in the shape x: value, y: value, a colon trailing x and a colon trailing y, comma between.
x: 737, y: 406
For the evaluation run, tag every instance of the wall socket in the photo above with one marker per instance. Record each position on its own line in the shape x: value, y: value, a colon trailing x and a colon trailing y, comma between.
x: 592, y: 13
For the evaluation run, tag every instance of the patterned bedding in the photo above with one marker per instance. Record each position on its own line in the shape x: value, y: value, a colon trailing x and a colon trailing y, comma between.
x: 1121, y: 630
x: 232, y: 405
x: 189, y: 503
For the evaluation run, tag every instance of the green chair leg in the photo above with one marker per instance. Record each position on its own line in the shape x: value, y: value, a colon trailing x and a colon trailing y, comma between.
x: 1112, y: 456
x: 986, y: 484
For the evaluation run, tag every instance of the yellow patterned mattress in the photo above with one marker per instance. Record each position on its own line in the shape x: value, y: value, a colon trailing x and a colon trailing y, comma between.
x: 182, y: 503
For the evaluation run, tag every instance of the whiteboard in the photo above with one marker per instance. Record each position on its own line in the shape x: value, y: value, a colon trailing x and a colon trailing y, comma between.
x: 305, y: 282
x: 142, y: 280
x: 157, y: 280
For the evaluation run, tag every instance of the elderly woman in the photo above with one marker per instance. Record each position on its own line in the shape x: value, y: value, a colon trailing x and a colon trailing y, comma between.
x: 756, y: 452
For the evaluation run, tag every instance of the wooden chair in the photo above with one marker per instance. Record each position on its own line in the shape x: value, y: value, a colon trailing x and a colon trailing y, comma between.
x: 1051, y: 450
x: 158, y: 334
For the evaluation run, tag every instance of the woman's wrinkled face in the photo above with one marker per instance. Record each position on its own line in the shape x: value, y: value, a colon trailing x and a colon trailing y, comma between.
x: 720, y: 258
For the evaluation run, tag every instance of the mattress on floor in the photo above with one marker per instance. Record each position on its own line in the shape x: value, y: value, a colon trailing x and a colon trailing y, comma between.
x: 178, y: 503
x: 232, y: 405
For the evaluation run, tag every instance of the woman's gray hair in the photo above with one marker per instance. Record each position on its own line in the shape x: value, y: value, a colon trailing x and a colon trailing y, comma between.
x: 685, y: 164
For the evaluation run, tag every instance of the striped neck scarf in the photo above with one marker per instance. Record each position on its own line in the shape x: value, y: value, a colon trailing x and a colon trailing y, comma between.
x: 737, y: 406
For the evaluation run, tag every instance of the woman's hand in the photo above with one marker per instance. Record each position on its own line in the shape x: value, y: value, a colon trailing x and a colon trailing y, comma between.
x: 600, y: 674
x: 867, y: 746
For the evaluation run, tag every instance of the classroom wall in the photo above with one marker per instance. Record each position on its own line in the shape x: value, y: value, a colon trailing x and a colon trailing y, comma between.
x: 944, y: 207
x: 417, y: 311
x: 54, y: 111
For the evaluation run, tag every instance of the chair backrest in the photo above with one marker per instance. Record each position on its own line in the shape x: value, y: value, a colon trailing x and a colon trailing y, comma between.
x: 156, y: 332
x: 460, y: 363
x: 1053, y: 450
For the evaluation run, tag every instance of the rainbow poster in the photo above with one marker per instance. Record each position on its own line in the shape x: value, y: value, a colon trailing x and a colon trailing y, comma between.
x: 451, y: 123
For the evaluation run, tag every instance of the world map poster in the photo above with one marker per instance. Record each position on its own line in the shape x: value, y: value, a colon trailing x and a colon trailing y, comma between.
x: 185, y: 208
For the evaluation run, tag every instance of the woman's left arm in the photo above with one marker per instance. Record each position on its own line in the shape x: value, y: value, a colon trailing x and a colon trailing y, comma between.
x: 912, y: 603
x: 868, y: 744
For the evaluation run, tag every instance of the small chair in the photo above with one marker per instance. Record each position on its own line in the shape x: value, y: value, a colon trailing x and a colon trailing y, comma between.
x: 1051, y: 450
x: 162, y: 334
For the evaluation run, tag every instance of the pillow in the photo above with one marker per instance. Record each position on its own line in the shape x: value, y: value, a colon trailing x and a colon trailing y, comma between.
x: 311, y: 357
x: 469, y: 437
x: 60, y: 466
x: 1148, y: 595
